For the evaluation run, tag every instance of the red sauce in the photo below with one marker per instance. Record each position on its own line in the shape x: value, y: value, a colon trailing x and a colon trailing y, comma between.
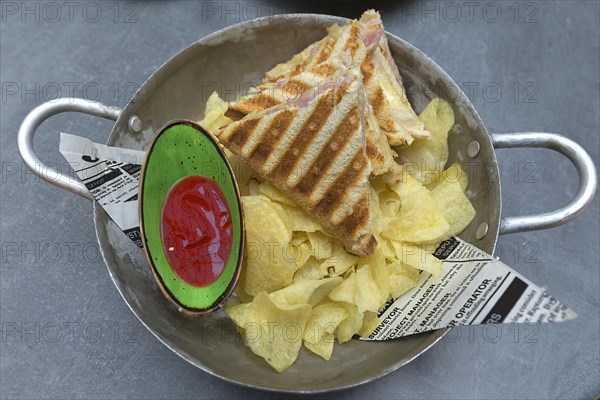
x: 196, y: 230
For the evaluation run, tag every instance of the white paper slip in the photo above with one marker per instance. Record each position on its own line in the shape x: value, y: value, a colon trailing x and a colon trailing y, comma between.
x: 111, y: 174
x: 475, y: 288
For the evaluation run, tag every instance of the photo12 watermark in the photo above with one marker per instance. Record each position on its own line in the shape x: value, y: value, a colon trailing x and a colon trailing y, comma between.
x: 518, y: 92
x: 41, y: 92
x: 35, y: 333
x: 239, y: 11
x: 53, y: 12
x: 491, y: 12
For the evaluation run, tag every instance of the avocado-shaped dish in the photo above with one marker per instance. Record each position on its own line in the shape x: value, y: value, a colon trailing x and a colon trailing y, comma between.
x: 191, y: 218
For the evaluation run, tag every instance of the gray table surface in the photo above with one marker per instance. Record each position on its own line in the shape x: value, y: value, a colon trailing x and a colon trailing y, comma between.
x: 66, y: 333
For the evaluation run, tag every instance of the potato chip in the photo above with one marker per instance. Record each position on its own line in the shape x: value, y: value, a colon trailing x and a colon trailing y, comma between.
x: 214, y: 113
x: 370, y: 322
x: 438, y: 117
x: 281, y: 212
x: 267, y: 189
x: 339, y: 262
x: 378, y: 184
x: 402, y: 278
x: 367, y: 291
x: 311, y: 270
x: 429, y: 248
x: 244, y: 174
x: 351, y: 324
x: 323, y: 347
x: 426, y: 159
x: 417, y: 257
x: 299, y: 220
x: 272, y: 330
x: 270, y: 263
x: 324, y: 320
x: 299, y: 237
x: 376, y: 217
x: 453, y: 173
x: 425, y: 261
x: 253, y: 187
x: 389, y: 202
x: 346, y: 291
x: 323, y: 245
x: 385, y: 247
x: 359, y: 289
x: 379, y: 274
x: 302, y: 252
x: 335, y: 259
x: 457, y: 208
x: 309, y: 292
x: 419, y: 220
x: 401, y: 183
x: 240, y: 287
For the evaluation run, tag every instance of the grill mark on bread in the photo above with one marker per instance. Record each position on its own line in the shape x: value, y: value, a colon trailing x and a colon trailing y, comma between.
x: 325, y: 106
x: 360, y: 217
x: 295, y: 87
x: 334, y: 196
x: 261, y: 101
x: 273, y: 95
x: 378, y: 101
x: 288, y: 137
x: 367, y: 244
x: 352, y: 43
x: 273, y: 134
x: 349, y: 97
x: 323, y: 70
x: 368, y: 69
x: 240, y: 134
x: 328, y: 155
x: 373, y: 152
x: 325, y: 51
x: 234, y: 114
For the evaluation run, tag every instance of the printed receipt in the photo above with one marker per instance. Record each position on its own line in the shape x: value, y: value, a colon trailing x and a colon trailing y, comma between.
x: 111, y: 174
x: 475, y: 288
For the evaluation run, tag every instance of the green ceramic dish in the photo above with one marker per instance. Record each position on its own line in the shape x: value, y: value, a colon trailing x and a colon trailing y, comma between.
x: 178, y: 150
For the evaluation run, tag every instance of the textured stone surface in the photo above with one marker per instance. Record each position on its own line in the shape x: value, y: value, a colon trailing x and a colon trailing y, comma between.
x: 66, y: 333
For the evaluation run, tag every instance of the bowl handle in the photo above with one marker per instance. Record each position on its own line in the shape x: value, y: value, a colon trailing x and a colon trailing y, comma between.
x: 588, y: 180
x: 41, y: 113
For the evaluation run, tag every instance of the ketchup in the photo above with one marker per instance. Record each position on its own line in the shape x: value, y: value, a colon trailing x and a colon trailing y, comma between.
x: 196, y: 230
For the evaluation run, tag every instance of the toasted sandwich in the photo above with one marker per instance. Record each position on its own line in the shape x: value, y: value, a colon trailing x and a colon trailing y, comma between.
x: 381, y: 77
x: 314, y: 150
x: 394, y: 112
x: 351, y: 51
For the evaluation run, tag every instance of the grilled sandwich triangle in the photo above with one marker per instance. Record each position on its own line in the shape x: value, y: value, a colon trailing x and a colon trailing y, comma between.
x: 360, y: 43
x: 352, y: 53
x: 314, y: 150
x: 393, y: 110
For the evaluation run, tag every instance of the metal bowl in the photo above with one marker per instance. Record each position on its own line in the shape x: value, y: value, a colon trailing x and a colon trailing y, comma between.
x: 230, y: 61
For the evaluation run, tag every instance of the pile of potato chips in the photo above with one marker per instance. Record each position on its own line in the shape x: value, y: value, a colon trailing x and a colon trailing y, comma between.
x: 299, y: 286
